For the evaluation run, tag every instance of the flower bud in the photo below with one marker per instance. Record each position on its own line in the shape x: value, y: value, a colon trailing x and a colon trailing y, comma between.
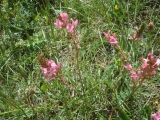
x: 151, y: 26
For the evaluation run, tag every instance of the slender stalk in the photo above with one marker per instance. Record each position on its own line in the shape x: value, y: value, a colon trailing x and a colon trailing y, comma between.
x: 76, y: 55
x: 134, y: 90
x: 30, y: 99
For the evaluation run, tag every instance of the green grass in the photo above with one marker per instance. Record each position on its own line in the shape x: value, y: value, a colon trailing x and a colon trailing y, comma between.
x: 98, y: 89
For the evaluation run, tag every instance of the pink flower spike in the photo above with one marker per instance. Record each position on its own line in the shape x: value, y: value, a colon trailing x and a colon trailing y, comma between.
x: 128, y: 67
x: 155, y: 116
x: 52, y: 70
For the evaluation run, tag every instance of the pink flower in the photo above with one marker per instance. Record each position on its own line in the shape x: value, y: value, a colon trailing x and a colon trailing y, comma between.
x: 145, y: 65
x: 133, y: 76
x: 112, y: 39
x: 150, y: 63
x: 62, y: 20
x: 70, y: 26
x: 149, y: 66
x: 60, y: 24
x: 128, y: 67
x: 147, y: 69
x: 63, y: 17
x: 51, y: 70
x: 151, y: 59
x: 156, y: 116
x: 157, y: 63
x: 74, y: 23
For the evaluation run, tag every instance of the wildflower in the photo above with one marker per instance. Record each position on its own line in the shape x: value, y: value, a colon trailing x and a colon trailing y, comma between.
x: 116, y: 7
x: 51, y: 70
x: 155, y: 116
x: 112, y: 39
x: 70, y: 26
x: 145, y: 65
x: 147, y: 69
x: 149, y: 65
x: 62, y: 20
x: 128, y: 67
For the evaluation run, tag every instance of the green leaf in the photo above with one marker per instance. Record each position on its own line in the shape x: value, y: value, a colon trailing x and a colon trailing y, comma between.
x: 123, y: 115
x: 37, y: 16
x: 15, y: 29
x: 43, y: 87
x: 148, y: 111
x: 118, y: 62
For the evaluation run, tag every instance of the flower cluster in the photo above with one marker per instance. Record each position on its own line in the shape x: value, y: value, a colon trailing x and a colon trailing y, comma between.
x: 51, y: 69
x: 112, y: 38
x: 147, y: 70
x: 156, y: 116
x: 63, y: 22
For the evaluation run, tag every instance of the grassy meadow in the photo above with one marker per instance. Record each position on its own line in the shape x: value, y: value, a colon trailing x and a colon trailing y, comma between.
x: 92, y: 82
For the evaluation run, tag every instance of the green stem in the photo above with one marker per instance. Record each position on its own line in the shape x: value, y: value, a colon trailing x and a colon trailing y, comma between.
x: 134, y: 90
x: 77, y: 54
x: 30, y: 98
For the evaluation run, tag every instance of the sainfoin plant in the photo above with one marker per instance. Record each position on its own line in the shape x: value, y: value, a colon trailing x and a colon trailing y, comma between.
x: 97, y: 60
x: 146, y: 71
x: 51, y: 69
